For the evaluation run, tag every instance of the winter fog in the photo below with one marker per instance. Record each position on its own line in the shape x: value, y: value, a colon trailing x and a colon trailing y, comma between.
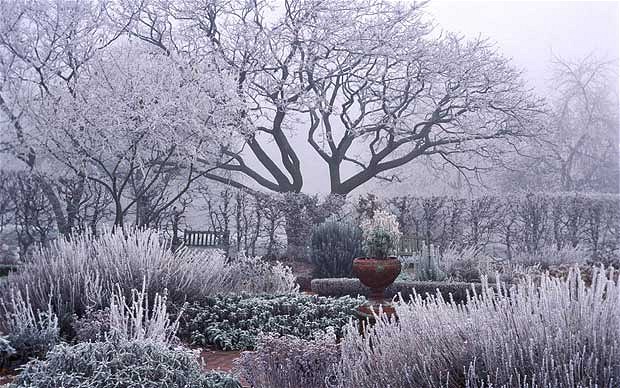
x: 309, y: 193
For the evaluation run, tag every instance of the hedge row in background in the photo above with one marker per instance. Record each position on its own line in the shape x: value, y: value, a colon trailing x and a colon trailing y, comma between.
x: 510, y: 224
x: 338, y: 287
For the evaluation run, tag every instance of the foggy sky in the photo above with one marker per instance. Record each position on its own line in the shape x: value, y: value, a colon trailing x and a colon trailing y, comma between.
x: 530, y: 32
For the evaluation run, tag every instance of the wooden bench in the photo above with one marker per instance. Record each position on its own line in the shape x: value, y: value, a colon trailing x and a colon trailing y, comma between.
x: 204, y: 239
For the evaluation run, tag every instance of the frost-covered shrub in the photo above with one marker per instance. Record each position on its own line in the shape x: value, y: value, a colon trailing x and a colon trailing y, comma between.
x: 548, y: 333
x: 132, y: 364
x: 427, y: 268
x: 92, y: 326
x: 337, y: 287
x: 549, y: 256
x: 81, y: 273
x: 137, y: 351
x: 139, y: 320
x: 30, y: 332
x: 465, y: 265
x: 234, y: 322
x: 381, y: 234
x: 334, y: 246
x: 247, y: 274
x: 290, y: 362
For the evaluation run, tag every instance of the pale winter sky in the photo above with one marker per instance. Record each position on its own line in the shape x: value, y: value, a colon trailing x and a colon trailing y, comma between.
x: 532, y: 31
x: 529, y: 32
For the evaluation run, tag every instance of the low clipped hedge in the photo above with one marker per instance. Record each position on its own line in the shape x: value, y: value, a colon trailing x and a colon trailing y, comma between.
x: 5, y: 269
x: 352, y: 287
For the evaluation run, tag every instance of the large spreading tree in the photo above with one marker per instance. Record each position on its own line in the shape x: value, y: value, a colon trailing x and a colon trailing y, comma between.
x: 369, y: 84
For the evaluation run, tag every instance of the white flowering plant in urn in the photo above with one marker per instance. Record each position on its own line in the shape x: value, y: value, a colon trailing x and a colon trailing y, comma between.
x: 381, y: 234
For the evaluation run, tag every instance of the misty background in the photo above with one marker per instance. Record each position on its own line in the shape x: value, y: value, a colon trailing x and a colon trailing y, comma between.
x: 531, y: 33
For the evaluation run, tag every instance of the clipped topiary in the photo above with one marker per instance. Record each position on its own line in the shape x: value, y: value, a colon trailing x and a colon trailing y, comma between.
x: 334, y: 246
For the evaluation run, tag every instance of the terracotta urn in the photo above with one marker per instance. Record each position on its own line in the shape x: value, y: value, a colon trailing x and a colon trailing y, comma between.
x: 377, y: 274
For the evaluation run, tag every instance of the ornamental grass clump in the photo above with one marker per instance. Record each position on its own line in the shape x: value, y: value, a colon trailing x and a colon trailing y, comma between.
x: 543, y: 333
x: 381, y: 234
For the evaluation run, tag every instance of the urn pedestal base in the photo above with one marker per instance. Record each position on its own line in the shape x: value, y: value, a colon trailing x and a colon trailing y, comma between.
x: 367, y: 313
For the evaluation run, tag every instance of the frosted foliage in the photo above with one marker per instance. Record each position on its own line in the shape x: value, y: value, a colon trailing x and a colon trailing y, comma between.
x: 132, y: 364
x: 555, y: 333
x: 83, y: 272
x: 137, y: 322
x: 31, y: 332
x: 382, y: 220
x: 134, y: 105
x: 290, y: 362
x: 254, y: 275
x: 550, y: 256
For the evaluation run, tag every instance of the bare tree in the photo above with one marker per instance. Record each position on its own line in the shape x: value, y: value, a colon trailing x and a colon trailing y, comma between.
x: 585, y: 146
x: 369, y: 84
x: 579, y: 151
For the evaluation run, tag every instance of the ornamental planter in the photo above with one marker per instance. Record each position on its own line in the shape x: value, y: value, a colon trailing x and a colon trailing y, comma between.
x: 377, y: 274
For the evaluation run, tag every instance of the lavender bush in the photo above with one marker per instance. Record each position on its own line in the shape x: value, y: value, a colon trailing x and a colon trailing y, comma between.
x: 92, y: 326
x: 290, y: 362
x: 132, y: 364
x: 136, y: 351
x: 31, y: 332
x: 548, y: 333
x: 82, y: 273
x: 6, y: 351
x: 137, y: 321
x: 549, y: 256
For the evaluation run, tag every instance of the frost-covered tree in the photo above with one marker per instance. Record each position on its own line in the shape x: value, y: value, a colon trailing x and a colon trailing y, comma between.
x: 136, y: 121
x: 369, y: 84
x: 83, y: 99
x: 586, y: 125
x: 41, y: 43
